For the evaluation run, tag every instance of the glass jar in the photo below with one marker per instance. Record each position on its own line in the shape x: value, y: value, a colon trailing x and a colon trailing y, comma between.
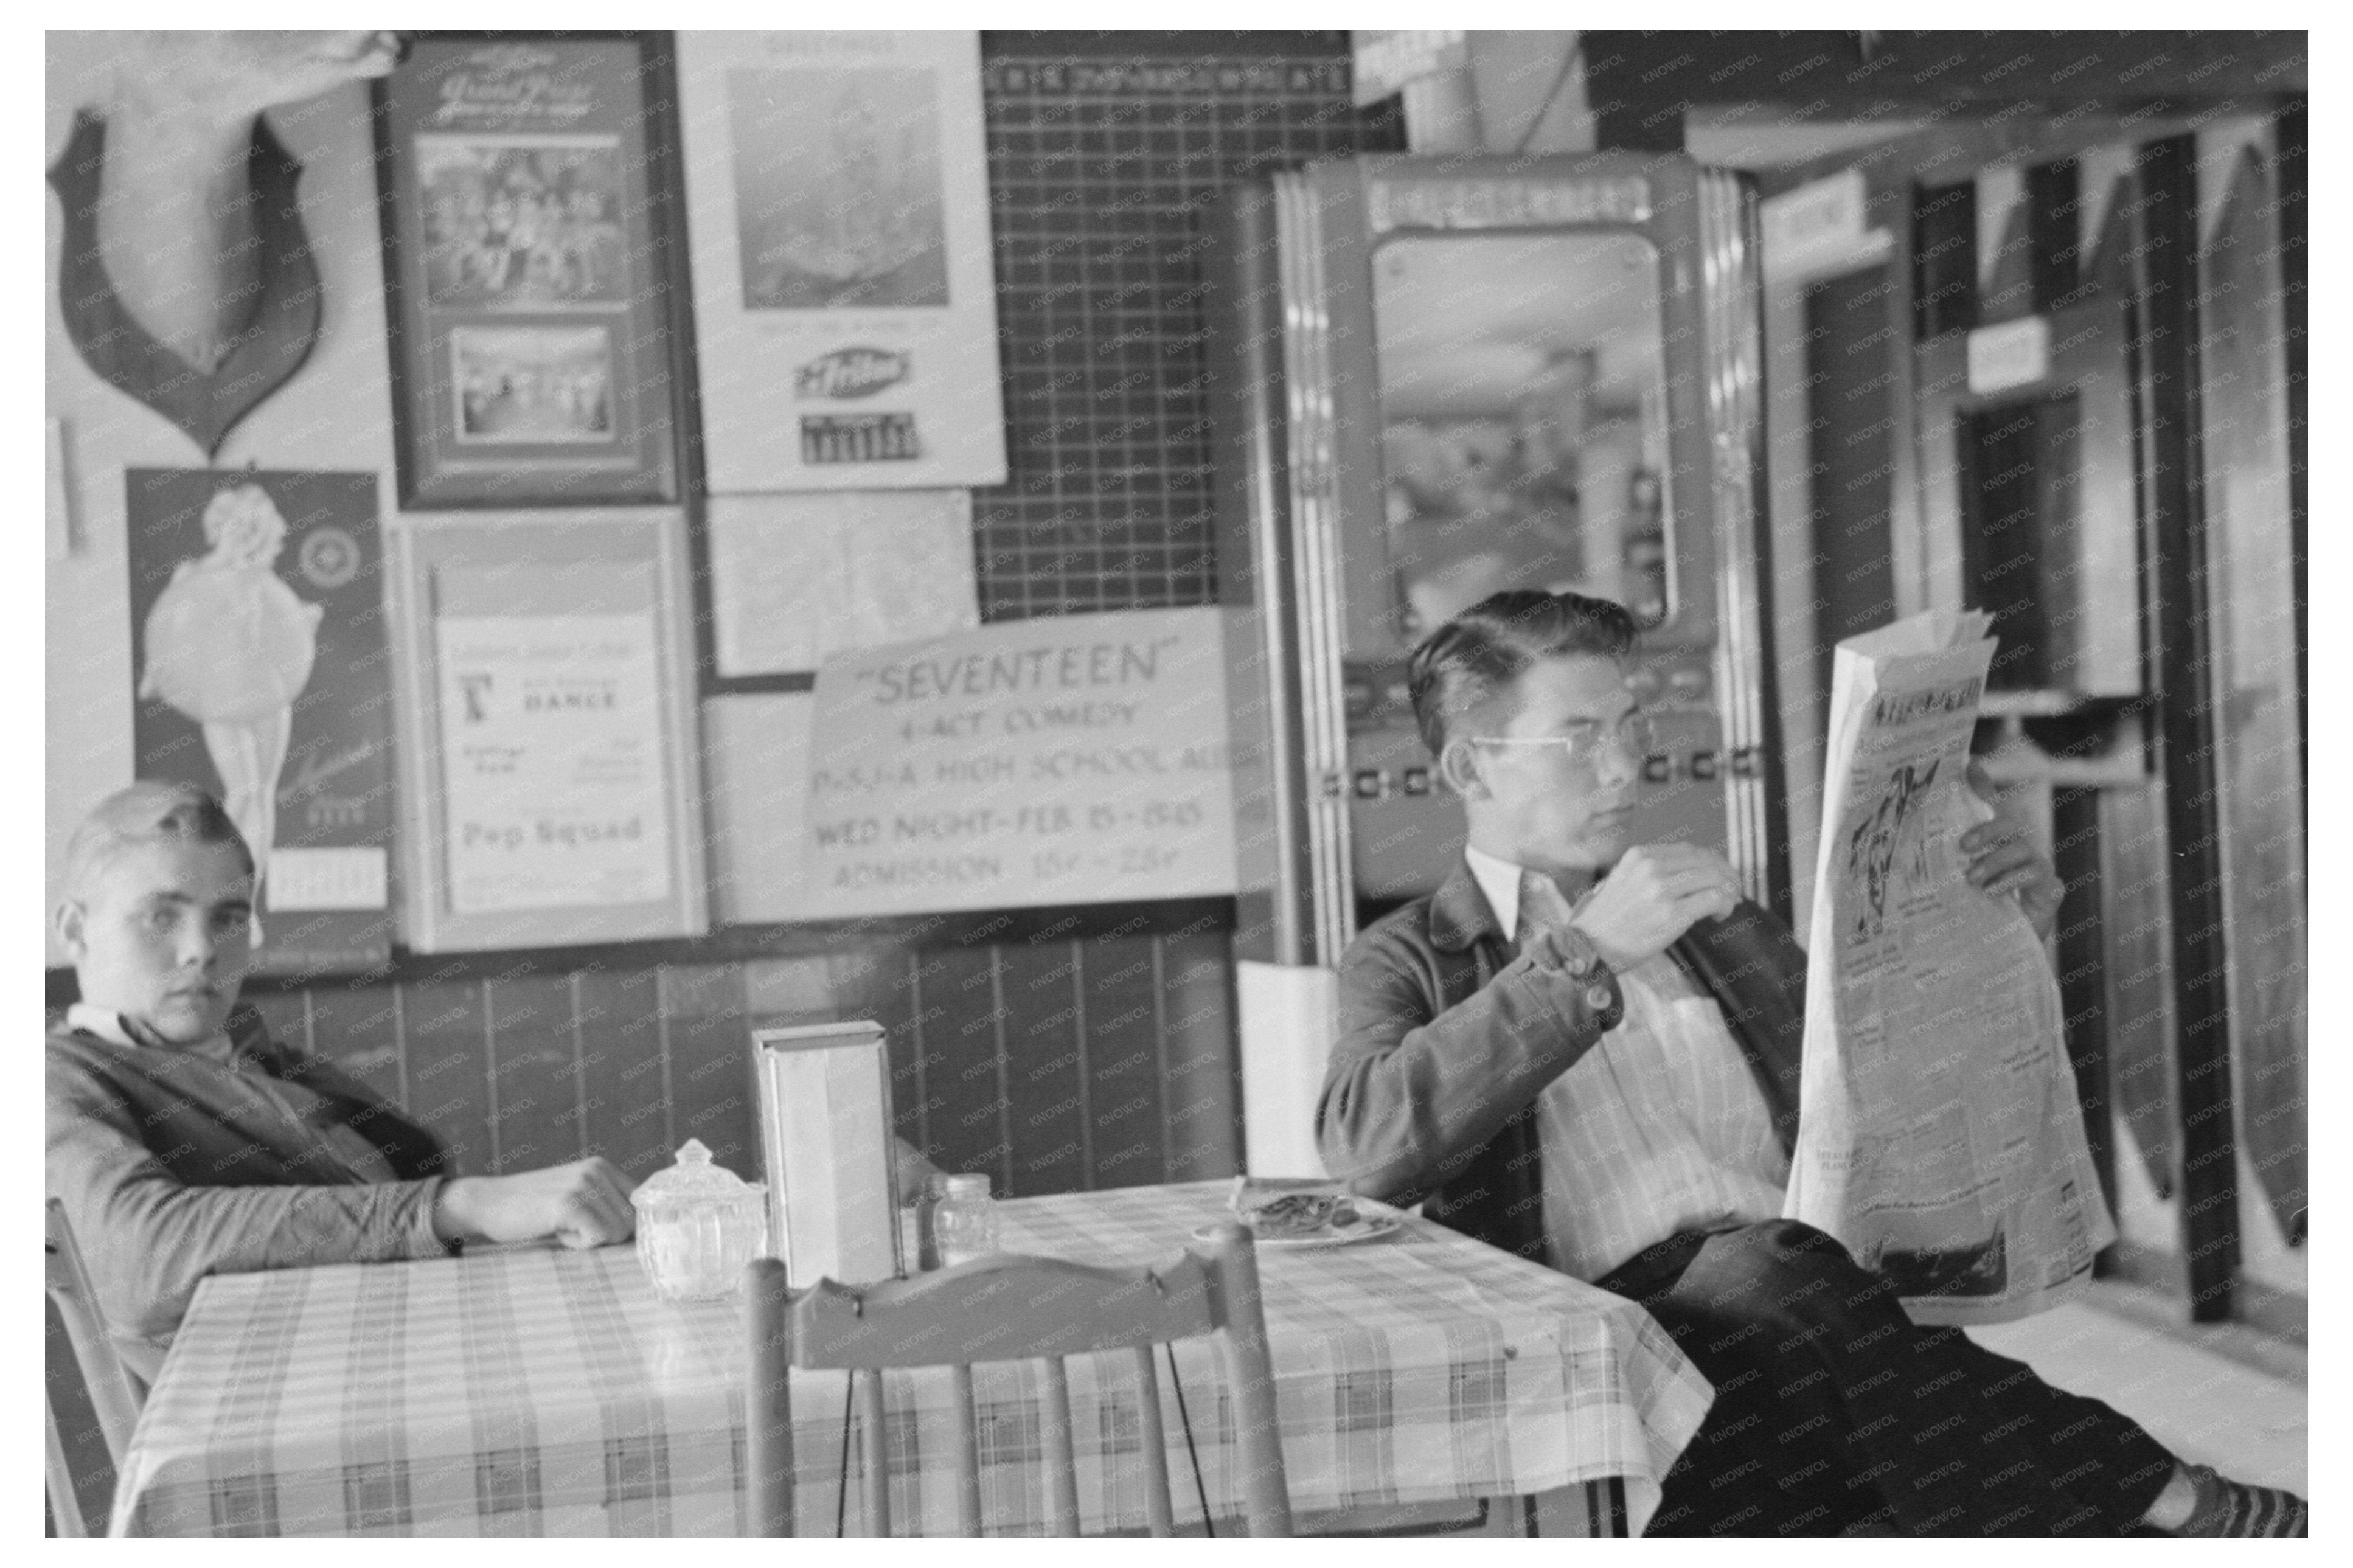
x: 698, y: 1226
x: 963, y: 1222
x: 924, y: 1243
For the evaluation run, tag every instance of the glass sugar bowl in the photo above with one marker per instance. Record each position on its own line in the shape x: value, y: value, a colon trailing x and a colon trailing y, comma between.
x: 698, y: 1226
x: 965, y: 1221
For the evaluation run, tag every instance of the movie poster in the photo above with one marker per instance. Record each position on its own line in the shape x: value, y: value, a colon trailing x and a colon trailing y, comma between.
x: 845, y: 304
x: 259, y: 670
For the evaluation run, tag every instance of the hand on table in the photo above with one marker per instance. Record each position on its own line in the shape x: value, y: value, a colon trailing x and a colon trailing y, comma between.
x: 2003, y: 859
x: 912, y: 1169
x: 1654, y: 894
x: 584, y: 1203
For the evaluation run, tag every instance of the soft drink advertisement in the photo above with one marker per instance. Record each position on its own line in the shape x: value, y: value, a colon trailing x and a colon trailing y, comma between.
x: 260, y: 673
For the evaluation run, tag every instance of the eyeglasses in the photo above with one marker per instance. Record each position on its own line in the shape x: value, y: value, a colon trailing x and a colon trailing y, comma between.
x: 1582, y: 746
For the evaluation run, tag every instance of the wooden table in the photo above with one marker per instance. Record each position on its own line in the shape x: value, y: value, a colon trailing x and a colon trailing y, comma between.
x: 546, y: 1392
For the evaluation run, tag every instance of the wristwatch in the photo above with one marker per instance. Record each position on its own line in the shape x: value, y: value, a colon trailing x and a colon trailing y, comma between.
x: 1571, y: 953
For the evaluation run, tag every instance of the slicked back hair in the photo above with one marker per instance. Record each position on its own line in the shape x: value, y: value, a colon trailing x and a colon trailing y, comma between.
x: 1484, y: 650
x: 142, y: 813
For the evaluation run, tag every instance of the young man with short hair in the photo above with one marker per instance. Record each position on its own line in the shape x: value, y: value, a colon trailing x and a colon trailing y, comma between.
x: 1586, y: 1051
x: 183, y: 1142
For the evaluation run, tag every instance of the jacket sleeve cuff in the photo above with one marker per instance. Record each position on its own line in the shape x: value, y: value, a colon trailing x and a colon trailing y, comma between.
x: 422, y: 1240
x: 1570, y: 956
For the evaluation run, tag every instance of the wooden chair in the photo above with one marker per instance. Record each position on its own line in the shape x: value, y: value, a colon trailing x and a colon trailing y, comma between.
x: 1007, y: 1307
x: 114, y: 1396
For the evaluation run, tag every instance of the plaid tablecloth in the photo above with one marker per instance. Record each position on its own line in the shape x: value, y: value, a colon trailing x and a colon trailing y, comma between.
x: 547, y: 1392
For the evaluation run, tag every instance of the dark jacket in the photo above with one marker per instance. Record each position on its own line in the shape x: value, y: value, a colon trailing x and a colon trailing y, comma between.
x: 1446, y: 1041
x: 172, y: 1165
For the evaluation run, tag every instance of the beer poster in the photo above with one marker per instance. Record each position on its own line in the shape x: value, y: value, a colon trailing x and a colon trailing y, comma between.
x: 259, y: 670
x: 845, y: 307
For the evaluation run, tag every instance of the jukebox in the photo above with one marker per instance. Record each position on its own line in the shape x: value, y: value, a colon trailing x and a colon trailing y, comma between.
x: 1437, y: 378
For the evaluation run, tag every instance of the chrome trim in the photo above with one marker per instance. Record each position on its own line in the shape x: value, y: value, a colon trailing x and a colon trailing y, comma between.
x: 1506, y: 202
x: 1261, y: 328
x: 1314, y: 526
x: 1731, y: 297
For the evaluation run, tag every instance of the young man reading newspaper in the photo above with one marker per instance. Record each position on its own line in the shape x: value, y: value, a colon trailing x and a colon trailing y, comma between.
x: 1587, y: 1052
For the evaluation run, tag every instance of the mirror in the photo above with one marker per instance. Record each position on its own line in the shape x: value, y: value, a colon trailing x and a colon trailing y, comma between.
x: 1524, y: 409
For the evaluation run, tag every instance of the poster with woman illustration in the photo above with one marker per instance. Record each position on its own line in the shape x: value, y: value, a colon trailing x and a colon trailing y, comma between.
x: 259, y: 672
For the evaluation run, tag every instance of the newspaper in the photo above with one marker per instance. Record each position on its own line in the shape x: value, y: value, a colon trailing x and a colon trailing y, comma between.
x: 1940, y: 1139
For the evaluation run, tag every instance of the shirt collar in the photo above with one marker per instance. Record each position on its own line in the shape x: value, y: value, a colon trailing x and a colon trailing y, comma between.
x: 103, y: 1022
x: 1500, y: 881
x: 107, y: 1024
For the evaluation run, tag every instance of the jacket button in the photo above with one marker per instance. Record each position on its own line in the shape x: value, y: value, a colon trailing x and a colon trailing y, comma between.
x: 1597, y: 997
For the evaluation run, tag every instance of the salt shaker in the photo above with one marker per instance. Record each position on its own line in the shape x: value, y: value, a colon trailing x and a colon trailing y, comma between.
x: 964, y: 1221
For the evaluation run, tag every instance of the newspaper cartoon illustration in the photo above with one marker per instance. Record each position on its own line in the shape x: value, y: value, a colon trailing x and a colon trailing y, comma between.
x: 1872, y: 849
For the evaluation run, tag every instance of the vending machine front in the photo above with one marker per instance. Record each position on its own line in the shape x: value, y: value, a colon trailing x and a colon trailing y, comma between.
x: 1437, y: 378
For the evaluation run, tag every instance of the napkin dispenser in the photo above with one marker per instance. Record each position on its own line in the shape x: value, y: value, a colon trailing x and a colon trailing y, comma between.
x: 824, y: 1135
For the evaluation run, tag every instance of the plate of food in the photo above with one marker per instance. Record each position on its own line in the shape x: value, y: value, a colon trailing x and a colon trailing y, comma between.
x: 1305, y: 1214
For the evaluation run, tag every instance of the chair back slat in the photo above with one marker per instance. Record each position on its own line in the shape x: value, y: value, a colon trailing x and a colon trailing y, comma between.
x: 965, y: 1451
x: 1001, y: 1309
x: 114, y: 1397
x: 1250, y: 1373
x: 873, y: 1452
x: 1057, y: 1456
x: 769, y: 1413
x: 1154, y: 1444
x: 65, y: 1503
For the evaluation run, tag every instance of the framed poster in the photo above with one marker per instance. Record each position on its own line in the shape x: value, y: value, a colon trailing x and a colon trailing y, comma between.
x: 546, y: 689
x: 845, y: 300
x: 530, y: 211
x: 258, y: 668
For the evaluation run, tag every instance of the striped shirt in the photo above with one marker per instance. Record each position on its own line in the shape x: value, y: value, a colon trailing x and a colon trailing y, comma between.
x: 1658, y: 1128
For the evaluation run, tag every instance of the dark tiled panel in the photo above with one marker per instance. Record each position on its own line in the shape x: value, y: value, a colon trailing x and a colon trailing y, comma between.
x: 444, y: 1031
x: 359, y: 1027
x: 1045, y: 1067
x: 710, y: 1076
x: 1203, y: 1102
x: 535, y: 1071
x: 286, y: 1016
x: 625, y: 1067
x: 964, y: 1062
x: 1126, y: 1074
x: 1123, y: 1010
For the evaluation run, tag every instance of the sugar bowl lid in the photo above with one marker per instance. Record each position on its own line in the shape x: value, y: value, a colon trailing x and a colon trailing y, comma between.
x: 692, y: 1180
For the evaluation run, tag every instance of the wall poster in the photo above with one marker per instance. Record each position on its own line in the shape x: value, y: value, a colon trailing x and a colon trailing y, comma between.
x: 841, y: 260
x: 546, y: 684
x: 529, y: 209
x: 796, y: 577
x: 1064, y: 760
x: 257, y: 658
